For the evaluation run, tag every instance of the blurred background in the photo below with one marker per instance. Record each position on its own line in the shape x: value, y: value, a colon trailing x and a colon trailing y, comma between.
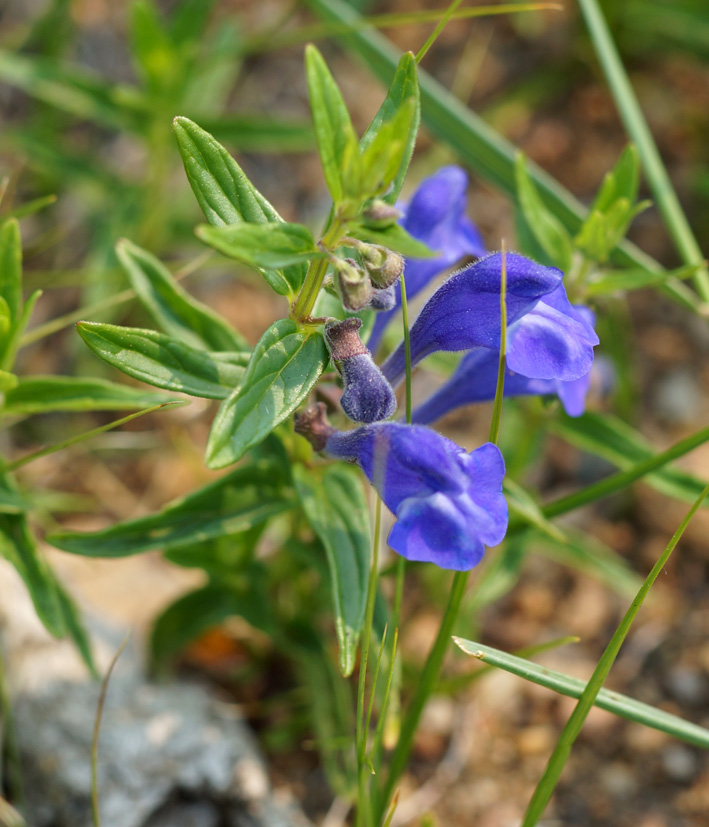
x: 88, y: 89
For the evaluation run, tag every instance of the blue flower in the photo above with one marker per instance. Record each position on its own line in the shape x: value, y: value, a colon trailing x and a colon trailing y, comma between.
x: 436, y: 216
x: 550, y: 351
x: 465, y: 313
x: 448, y: 502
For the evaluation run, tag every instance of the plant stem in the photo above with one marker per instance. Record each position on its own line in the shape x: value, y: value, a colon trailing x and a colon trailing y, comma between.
x: 363, y: 804
x: 315, y: 276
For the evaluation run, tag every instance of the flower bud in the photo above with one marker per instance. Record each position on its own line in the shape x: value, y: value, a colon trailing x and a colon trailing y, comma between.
x: 383, y: 300
x: 355, y: 286
x: 313, y: 425
x: 383, y: 266
x: 367, y: 396
x: 379, y: 215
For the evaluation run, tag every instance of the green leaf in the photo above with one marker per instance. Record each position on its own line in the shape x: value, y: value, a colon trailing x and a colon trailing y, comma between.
x: 547, y: 228
x: 197, y: 611
x: 7, y: 381
x: 76, y: 91
x: 31, y: 207
x: 75, y: 627
x: 39, y: 394
x: 609, y: 437
x: 244, y: 498
x: 152, y: 47
x: 284, y: 366
x: 267, y: 247
x: 11, y: 267
x: 404, y: 88
x: 171, y: 306
x: 488, y: 153
x: 614, y: 702
x: 336, y: 508
x: 627, y: 280
x: 620, y: 182
x: 589, y: 696
x: 383, y: 158
x: 337, y: 141
x: 163, y: 361
x: 223, y: 191
x: 189, y: 20
x: 8, y: 358
x: 394, y: 238
x: 12, y: 501
x: 18, y: 546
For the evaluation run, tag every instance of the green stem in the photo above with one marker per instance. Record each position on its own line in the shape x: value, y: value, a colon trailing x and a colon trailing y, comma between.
x: 426, y: 684
x: 304, y: 304
x: 450, y: 11
x: 363, y: 804
x: 636, y: 125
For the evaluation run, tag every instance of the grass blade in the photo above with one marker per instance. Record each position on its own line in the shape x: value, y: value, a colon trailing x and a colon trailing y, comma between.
x: 636, y: 125
x: 614, y: 702
x: 548, y: 782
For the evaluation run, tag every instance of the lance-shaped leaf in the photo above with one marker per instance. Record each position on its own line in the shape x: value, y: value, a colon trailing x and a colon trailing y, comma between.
x: 39, y: 394
x: 608, y: 437
x: 225, y: 194
x: 546, y: 227
x: 336, y: 508
x: 239, y: 500
x: 19, y: 547
x: 284, y: 366
x: 263, y: 246
x: 171, y: 306
x: 397, y: 120
x: 11, y: 267
x: 337, y: 141
x: 165, y: 362
x: 614, y: 702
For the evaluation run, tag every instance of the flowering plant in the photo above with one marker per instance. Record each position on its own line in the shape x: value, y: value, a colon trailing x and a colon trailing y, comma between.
x: 311, y: 406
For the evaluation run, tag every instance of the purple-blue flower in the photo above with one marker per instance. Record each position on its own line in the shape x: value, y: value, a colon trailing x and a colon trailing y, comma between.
x: 448, y: 503
x: 436, y: 216
x: 465, y: 312
x: 550, y: 351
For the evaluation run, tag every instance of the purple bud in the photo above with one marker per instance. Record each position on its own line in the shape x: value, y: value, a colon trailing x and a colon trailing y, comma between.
x: 367, y: 396
x: 383, y: 300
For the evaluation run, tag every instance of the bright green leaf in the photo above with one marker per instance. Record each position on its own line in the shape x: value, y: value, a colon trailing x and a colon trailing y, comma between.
x: 547, y: 228
x: 337, y: 141
x: 11, y: 267
x: 40, y: 394
x: 266, y: 247
x: 284, y: 366
x: 614, y: 702
x: 244, y: 498
x: 172, y: 307
x: 165, y: 362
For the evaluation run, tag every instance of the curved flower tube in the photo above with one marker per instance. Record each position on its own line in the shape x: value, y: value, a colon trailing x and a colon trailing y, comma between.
x: 435, y: 215
x: 551, y: 352
x: 448, y: 502
x: 465, y: 310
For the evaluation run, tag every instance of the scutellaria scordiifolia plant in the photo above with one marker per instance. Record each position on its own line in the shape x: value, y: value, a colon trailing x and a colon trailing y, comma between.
x: 310, y: 413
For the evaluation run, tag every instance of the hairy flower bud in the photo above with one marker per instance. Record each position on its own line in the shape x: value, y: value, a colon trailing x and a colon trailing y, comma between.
x: 367, y: 396
x: 383, y: 300
x: 355, y: 286
x: 379, y: 215
x: 383, y: 266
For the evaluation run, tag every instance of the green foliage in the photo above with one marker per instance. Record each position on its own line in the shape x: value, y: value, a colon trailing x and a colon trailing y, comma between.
x: 164, y: 361
x: 334, y: 503
x: 179, y: 315
x: 284, y: 367
x: 236, y: 502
